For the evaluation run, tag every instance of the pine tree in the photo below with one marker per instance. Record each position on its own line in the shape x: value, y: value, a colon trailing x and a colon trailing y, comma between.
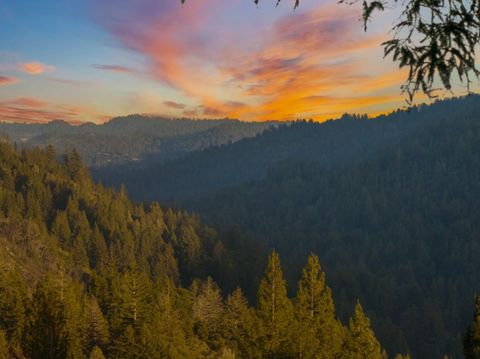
x: 96, y: 353
x: 274, y: 310
x: 471, y: 340
x: 3, y: 345
x: 318, y: 334
x: 208, y: 311
x: 57, y: 329
x: 13, y: 307
x: 240, y: 326
x: 98, y: 331
x: 361, y: 341
x: 165, y: 336
x: 128, y: 345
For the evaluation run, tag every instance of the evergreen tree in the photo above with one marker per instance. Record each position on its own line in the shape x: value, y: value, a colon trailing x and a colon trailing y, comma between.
x: 361, y: 341
x: 13, y: 308
x: 3, y: 345
x: 471, y: 341
x: 57, y: 329
x: 128, y: 345
x: 208, y: 311
x: 166, y: 335
x: 275, y: 310
x: 96, y: 353
x: 98, y: 331
x: 240, y: 326
x: 318, y: 334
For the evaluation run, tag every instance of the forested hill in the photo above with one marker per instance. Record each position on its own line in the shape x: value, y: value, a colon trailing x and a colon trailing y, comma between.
x: 335, y: 143
x: 389, y: 204
x: 132, y: 139
x: 400, y: 230
x: 85, y: 273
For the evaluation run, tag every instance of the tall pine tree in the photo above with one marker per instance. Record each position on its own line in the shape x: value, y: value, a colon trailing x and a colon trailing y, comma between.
x: 275, y: 310
x: 318, y: 334
x: 361, y: 341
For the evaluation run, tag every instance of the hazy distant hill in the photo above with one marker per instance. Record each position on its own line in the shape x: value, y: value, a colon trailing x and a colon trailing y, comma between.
x: 332, y: 144
x: 132, y: 138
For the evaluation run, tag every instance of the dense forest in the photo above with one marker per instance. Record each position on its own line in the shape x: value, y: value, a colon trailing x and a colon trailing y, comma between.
x: 400, y: 230
x: 133, y: 139
x: 85, y: 273
x: 389, y: 204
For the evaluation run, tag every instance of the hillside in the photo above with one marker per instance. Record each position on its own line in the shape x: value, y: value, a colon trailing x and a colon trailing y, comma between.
x: 86, y: 273
x: 132, y: 139
x: 399, y: 230
x: 389, y: 205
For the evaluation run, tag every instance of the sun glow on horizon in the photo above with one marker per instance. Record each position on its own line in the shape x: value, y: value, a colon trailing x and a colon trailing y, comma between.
x: 90, y: 61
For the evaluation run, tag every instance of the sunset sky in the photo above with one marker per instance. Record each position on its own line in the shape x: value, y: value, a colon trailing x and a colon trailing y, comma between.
x: 92, y: 60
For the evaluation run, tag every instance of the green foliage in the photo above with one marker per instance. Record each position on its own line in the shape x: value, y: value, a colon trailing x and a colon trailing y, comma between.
x: 96, y: 353
x: 274, y: 310
x: 388, y: 220
x: 361, y: 341
x: 318, y: 334
x: 4, y: 352
x: 89, y: 274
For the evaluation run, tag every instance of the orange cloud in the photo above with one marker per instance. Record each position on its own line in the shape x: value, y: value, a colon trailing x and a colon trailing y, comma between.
x: 30, y: 110
x: 28, y: 102
x: 306, y: 64
x: 35, y: 68
x: 174, y: 105
x: 5, y: 80
x: 114, y: 68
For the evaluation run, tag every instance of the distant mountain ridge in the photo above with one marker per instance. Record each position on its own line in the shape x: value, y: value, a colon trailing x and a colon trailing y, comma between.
x: 334, y: 143
x: 132, y: 138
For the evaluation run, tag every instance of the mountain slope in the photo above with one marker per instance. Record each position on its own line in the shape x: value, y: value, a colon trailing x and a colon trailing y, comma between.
x: 399, y: 230
x: 86, y: 273
x: 333, y: 144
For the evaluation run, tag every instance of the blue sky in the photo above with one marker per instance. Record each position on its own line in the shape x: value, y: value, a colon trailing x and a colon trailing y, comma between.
x: 92, y: 60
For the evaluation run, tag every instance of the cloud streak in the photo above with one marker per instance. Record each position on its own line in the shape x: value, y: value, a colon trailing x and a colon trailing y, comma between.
x: 35, y: 68
x: 33, y: 110
x: 114, y: 68
x: 269, y: 76
x: 7, y: 80
x: 174, y: 105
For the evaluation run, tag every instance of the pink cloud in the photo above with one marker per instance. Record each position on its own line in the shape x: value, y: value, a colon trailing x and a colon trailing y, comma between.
x: 114, y: 68
x: 6, y: 80
x: 28, y: 102
x: 35, y: 68
x: 251, y: 73
x: 174, y: 105
x: 31, y: 110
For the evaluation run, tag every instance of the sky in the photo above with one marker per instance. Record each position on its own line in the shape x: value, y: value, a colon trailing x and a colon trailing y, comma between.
x: 91, y: 60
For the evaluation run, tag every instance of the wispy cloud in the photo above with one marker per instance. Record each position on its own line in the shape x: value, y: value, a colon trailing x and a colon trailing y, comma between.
x: 7, y: 80
x: 35, y: 68
x: 114, y: 68
x: 33, y: 110
x: 239, y: 72
x: 174, y: 105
